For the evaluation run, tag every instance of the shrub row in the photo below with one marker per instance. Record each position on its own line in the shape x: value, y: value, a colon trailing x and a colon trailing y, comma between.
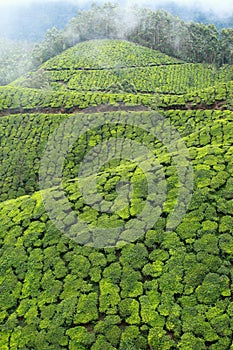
x: 24, y: 137
x: 171, y: 79
x: 107, y: 54
x: 168, y: 290
x: 15, y: 100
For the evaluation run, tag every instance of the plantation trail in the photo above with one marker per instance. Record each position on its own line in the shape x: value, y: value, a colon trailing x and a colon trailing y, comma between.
x: 218, y: 105
x: 112, y: 68
x: 88, y: 110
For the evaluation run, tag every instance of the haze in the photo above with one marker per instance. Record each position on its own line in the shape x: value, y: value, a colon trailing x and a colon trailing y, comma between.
x: 223, y: 8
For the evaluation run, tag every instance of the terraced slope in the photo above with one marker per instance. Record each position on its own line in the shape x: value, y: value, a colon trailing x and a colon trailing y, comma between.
x: 143, y: 284
x: 23, y: 139
x: 101, y: 54
x: 118, y: 65
x: 174, y: 78
x: 167, y: 290
x: 20, y: 100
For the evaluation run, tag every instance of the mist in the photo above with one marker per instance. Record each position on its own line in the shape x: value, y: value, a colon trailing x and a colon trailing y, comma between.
x: 30, y: 19
x: 220, y: 8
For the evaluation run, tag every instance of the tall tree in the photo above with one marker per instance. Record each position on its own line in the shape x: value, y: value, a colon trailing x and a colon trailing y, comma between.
x: 226, y: 40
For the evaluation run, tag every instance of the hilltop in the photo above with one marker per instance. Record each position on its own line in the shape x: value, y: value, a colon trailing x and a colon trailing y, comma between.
x: 159, y: 30
x: 108, y: 60
x: 116, y: 66
x: 101, y: 54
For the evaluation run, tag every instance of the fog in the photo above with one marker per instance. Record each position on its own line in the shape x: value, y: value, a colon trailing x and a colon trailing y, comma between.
x: 221, y: 8
x: 30, y: 19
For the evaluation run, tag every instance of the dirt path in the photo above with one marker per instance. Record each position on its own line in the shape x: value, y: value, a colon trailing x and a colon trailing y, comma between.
x: 89, y: 110
x: 218, y: 105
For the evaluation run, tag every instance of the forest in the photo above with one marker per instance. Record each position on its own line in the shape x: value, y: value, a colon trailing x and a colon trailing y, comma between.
x: 116, y: 186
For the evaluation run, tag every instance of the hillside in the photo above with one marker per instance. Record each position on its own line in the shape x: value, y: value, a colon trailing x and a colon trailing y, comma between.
x: 115, y: 65
x: 155, y: 28
x: 94, y: 62
x: 96, y: 54
x: 116, y: 203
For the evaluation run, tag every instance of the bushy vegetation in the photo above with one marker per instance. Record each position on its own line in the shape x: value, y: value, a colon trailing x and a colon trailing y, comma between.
x: 173, y: 79
x: 19, y: 100
x: 151, y: 288
x: 119, y: 61
x: 167, y: 290
x: 24, y: 137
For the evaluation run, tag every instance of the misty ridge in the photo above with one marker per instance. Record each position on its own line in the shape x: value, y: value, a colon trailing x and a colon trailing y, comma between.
x: 158, y: 30
x: 155, y: 29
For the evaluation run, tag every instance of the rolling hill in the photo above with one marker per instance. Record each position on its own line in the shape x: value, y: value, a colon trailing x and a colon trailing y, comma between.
x: 140, y: 266
x: 108, y: 65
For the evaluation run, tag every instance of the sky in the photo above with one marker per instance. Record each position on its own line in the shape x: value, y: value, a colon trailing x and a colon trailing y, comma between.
x: 223, y: 7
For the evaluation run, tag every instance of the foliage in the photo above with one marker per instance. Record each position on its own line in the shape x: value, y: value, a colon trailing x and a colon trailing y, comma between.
x: 159, y: 30
x: 170, y: 289
x: 120, y: 66
x: 125, y: 298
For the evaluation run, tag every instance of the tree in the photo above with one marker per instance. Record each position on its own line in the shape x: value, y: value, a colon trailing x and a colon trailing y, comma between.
x: 52, y: 45
x: 226, y: 42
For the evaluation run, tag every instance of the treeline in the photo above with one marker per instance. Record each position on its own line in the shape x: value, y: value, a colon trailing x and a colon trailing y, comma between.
x: 192, y: 42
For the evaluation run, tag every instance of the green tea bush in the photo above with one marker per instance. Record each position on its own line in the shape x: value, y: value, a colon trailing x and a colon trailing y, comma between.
x: 168, y: 289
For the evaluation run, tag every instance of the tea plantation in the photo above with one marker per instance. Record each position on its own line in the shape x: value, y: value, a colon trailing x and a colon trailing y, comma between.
x: 121, y: 267
x: 117, y: 64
